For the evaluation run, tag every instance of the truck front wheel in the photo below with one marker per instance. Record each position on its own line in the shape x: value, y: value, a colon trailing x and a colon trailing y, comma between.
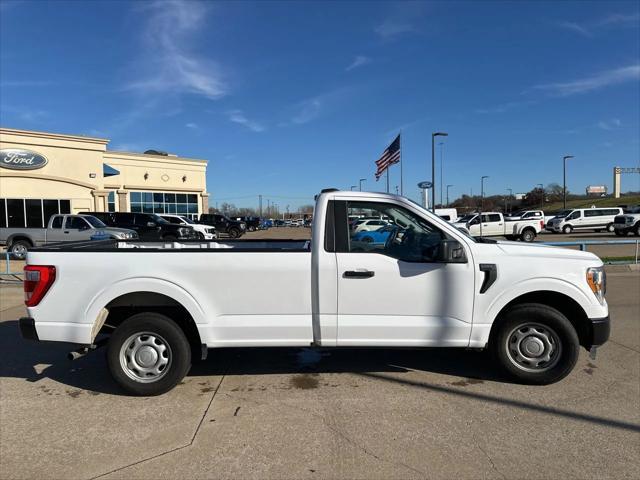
x: 234, y: 233
x: 535, y: 344
x: 148, y: 354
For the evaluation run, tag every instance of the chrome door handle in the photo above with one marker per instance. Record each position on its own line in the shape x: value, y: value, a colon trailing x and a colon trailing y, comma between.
x: 359, y: 274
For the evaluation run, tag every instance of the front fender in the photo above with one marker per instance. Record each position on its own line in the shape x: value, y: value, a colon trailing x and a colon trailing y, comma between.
x: 144, y: 284
x: 584, y: 298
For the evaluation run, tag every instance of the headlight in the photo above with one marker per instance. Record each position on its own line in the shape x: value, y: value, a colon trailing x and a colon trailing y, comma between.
x: 597, y: 281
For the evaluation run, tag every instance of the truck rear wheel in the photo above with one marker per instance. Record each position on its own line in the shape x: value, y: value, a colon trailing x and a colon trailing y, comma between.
x: 535, y: 344
x: 148, y: 354
x: 19, y: 249
x: 610, y: 228
x: 234, y: 233
x: 528, y: 235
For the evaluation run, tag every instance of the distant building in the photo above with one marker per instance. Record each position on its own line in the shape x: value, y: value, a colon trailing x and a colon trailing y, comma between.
x: 596, y: 190
x: 520, y: 196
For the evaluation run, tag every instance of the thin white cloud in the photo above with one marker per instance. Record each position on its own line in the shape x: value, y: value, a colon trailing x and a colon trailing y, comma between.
x: 390, y: 29
x: 312, y: 108
x: 575, y: 27
x: 308, y: 110
x: 168, y: 62
x: 610, y: 124
x: 359, y: 61
x: 594, y: 82
x: 621, y: 18
x: 237, y: 116
x: 25, y: 83
x: 191, y: 125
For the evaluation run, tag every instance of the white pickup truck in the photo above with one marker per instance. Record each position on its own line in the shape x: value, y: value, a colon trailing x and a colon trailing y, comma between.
x: 493, y: 224
x: 158, y: 305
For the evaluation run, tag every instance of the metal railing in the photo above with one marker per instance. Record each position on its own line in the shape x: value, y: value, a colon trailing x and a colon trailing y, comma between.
x: 584, y: 243
x: 6, y: 275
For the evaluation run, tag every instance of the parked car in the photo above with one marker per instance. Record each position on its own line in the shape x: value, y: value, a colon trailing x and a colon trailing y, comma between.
x: 265, y: 224
x: 379, y: 236
x: 525, y: 215
x: 431, y: 285
x: 207, y: 232
x: 149, y: 226
x: 252, y: 223
x: 493, y: 224
x: 368, y: 225
x: 61, y: 228
x: 548, y: 226
x: 596, y: 219
x: 449, y: 214
x: 223, y: 224
x: 629, y: 222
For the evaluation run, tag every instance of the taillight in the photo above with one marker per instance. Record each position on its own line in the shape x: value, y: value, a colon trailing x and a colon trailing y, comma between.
x: 541, y: 224
x: 37, y: 281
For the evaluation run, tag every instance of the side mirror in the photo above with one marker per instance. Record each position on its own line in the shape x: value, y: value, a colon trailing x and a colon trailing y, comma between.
x: 451, y: 251
x: 151, y: 224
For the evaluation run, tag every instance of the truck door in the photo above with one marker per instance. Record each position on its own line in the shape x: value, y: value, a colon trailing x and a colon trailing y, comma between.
x: 55, y: 232
x: 394, y: 293
x: 76, y: 228
x: 492, y: 225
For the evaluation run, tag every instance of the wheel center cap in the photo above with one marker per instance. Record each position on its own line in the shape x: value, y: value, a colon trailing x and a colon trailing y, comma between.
x: 146, y: 356
x: 533, y: 347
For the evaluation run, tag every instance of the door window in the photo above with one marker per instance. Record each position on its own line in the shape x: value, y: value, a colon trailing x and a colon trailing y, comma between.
x: 410, y: 237
x: 76, y: 223
x: 592, y: 213
x: 574, y: 215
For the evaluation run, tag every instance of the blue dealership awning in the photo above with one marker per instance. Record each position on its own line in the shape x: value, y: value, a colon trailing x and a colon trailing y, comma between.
x: 109, y: 171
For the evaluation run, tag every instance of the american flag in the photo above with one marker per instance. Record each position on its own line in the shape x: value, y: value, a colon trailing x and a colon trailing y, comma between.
x: 390, y: 156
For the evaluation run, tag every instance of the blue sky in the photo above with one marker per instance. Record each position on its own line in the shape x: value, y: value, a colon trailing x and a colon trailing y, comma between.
x: 286, y: 98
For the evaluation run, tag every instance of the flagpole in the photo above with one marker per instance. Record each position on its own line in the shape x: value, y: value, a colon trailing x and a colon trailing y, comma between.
x: 401, y: 190
x: 388, y: 178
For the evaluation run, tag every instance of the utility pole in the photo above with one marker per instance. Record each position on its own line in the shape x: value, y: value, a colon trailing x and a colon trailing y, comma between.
x: 448, y: 193
x: 510, y: 195
x: 360, y: 182
x: 433, y: 167
x: 482, y: 194
x: 564, y: 180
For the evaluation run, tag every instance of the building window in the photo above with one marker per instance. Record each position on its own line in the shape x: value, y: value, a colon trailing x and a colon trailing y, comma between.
x: 111, y: 201
x: 176, y: 203
x: 31, y: 212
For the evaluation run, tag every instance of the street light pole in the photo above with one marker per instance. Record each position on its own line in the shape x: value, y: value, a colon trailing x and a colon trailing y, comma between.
x: 482, y: 193
x: 541, y: 195
x: 441, y: 170
x: 360, y: 182
x: 564, y: 180
x: 352, y: 187
x: 433, y: 167
x: 448, y: 193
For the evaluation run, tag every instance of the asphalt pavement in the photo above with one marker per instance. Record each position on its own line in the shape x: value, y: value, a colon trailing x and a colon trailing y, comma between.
x: 301, y: 413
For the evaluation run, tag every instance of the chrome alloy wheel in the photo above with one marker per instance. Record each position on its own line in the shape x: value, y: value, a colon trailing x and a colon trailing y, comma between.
x: 145, y: 357
x: 533, y: 347
x: 19, y: 251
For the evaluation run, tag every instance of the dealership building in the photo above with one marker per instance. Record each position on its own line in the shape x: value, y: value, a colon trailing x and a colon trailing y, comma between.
x: 42, y: 174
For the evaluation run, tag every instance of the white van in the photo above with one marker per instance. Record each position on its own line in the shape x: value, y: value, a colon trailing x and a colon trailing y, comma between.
x: 596, y: 219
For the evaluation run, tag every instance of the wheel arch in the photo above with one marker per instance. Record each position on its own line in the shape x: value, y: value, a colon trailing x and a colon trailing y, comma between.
x: 11, y: 239
x: 121, y: 300
x: 562, y: 302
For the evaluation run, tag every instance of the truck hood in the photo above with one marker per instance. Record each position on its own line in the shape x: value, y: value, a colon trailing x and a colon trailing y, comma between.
x: 538, y: 250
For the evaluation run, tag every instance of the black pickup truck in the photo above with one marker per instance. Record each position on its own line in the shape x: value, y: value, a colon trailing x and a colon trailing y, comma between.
x: 224, y: 224
x: 150, y: 227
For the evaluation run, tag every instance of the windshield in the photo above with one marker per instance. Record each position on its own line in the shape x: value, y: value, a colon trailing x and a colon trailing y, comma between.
x: 188, y: 220
x: 466, y: 218
x: 519, y: 213
x: 159, y: 219
x: 563, y: 213
x: 95, y: 223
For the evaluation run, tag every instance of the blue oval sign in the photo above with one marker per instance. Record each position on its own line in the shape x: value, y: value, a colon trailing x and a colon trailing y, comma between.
x: 18, y: 159
x: 425, y: 185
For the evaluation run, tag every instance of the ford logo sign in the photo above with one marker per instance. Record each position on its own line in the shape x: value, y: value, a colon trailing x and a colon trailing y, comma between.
x: 17, y: 159
x: 425, y: 185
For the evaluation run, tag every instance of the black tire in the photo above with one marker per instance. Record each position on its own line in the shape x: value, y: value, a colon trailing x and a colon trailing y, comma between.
x: 234, y: 232
x: 19, y: 249
x: 510, y: 237
x: 621, y: 233
x: 528, y: 235
x: 544, y: 320
x: 567, y: 229
x: 167, y: 333
x: 610, y: 228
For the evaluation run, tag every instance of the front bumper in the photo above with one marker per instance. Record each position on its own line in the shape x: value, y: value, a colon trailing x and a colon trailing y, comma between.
x: 28, y: 329
x: 599, y: 331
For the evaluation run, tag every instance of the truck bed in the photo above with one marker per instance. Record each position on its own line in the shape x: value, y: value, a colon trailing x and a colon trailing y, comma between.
x: 182, y: 245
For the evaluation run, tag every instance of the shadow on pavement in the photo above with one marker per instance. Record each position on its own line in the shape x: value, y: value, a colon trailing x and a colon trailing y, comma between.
x: 36, y: 360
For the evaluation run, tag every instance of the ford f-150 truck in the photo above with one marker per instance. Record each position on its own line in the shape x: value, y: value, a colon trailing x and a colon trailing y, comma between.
x: 157, y: 305
x: 61, y: 228
x: 493, y: 224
